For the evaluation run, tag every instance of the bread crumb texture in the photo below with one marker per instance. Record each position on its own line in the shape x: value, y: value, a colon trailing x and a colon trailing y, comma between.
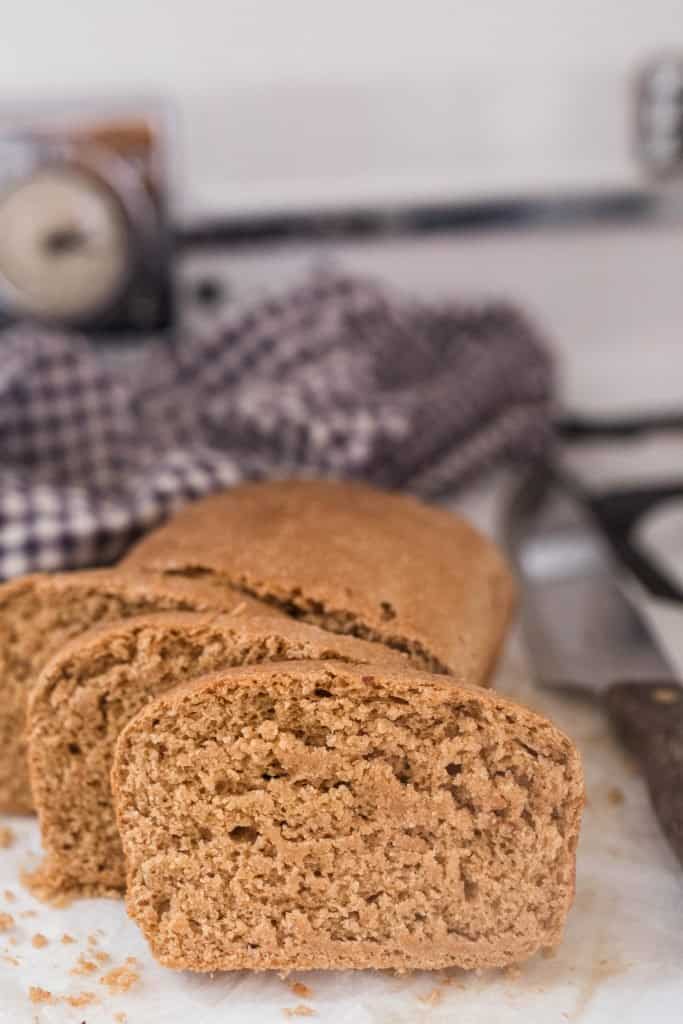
x: 96, y: 685
x: 38, y: 614
x: 327, y: 815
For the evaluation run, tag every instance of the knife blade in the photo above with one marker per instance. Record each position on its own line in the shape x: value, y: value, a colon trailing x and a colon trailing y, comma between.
x: 584, y: 634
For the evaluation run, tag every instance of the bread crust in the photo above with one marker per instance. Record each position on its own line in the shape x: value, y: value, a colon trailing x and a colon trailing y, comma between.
x: 352, y: 559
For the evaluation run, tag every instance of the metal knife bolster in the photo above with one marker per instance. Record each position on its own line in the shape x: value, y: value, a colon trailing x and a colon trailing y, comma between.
x: 584, y: 633
x: 581, y: 628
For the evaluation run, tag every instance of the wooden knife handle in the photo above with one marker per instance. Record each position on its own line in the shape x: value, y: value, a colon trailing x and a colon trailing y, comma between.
x: 649, y: 718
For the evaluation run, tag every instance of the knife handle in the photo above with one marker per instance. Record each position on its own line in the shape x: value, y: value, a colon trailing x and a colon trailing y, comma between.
x: 649, y: 718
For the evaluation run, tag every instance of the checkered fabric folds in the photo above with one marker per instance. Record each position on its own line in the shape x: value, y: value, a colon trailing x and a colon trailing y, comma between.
x: 338, y: 377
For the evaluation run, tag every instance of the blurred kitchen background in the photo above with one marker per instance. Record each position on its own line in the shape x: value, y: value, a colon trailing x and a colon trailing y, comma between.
x: 476, y: 109
x: 300, y: 103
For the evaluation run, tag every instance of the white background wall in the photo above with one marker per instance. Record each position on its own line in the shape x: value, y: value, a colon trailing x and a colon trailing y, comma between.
x: 293, y: 100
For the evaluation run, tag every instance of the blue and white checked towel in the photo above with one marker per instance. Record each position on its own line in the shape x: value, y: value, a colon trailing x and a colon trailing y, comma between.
x: 338, y: 377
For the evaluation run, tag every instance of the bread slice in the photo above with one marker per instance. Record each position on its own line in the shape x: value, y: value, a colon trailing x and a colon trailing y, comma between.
x: 96, y: 684
x: 327, y: 815
x: 351, y: 559
x: 39, y: 613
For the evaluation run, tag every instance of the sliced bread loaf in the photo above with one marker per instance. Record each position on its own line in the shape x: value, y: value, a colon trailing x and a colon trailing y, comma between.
x: 96, y: 684
x: 39, y: 613
x: 325, y: 815
x: 351, y: 559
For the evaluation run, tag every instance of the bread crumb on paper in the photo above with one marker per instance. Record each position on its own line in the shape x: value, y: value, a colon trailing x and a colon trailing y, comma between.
x: 67, y: 939
x: 298, y: 1011
x: 82, y: 999
x: 512, y: 972
x: 102, y: 957
x: 120, y: 1018
x: 28, y: 913
x: 452, y: 982
x: 615, y: 796
x: 39, y: 995
x: 121, y: 979
x: 6, y: 837
x: 9, y: 896
x: 299, y: 989
x: 432, y: 998
x: 11, y: 960
x: 61, y: 900
x: 83, y: 966
x: 6, y: 922
x: 40, y: 886
x: 39, y: 941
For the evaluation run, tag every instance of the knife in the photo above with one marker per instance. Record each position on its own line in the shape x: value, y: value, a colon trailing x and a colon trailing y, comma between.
x: 584, y: 634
